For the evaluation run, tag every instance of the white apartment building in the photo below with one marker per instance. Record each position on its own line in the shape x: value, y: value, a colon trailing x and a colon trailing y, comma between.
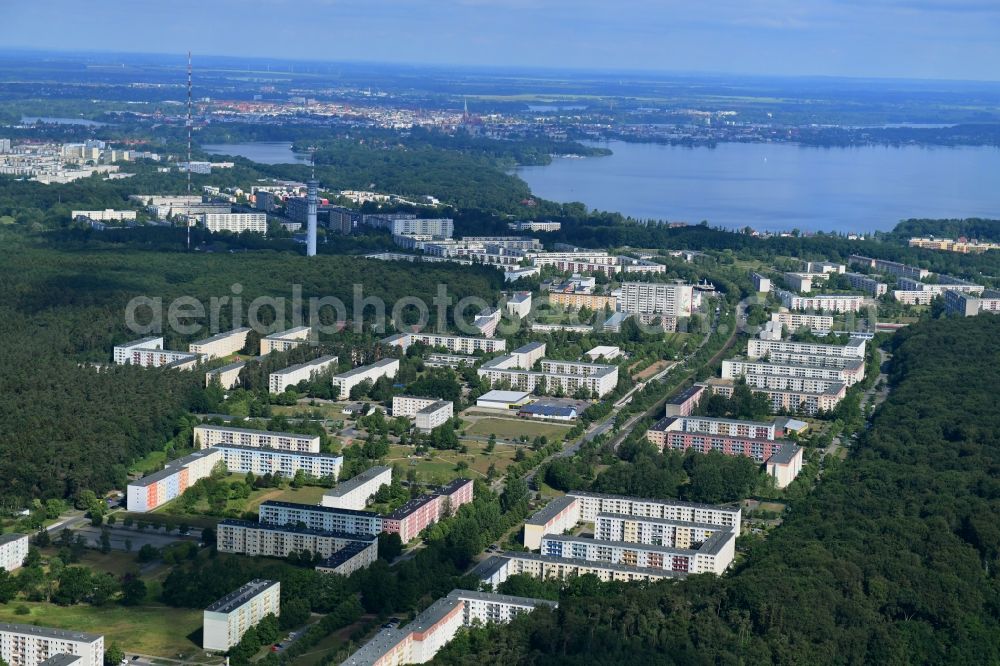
x: 802, y: 282
x: 824, y: 267
x: 793, y: 321
x: 527, y: 355
x: 356, y: 492
x: 726, y: 427
x: 592, y: 504
x: 915, y: 297
x: 454, y: 343
x: 889, y: 267
x: 714, y: 555
x: 847, y: 373
x: 230, y: 617
x: 805, y: 401
x: 317, y: 517
x: 243, y: 459
x: 562, y: 568
x: 519, y: 304
x: 285, y: 340
x: 106, y: 215
x: 761, y: 284
x: 652, y: 531
x: 555, y: 376
x: 353, y: 557
x: 211, y: 435
x: 280, y: 380
x: 344, y: 382
x: 228, y: 375
x: 256, y: 540
x: 13, y: 550
x: 443, y: 227
x: 30, y: 645
x: 855, y: 348
x: 486, y: 322
x: 593, y: 261
x: 149, y: 353
x: 428, y: 413
x: 944, y: 283
x: 823, y: 302
x: 123, y: 353
x: 674, y: 300
x: 221, y: 345
x: 534, y: 226
x: 235, y: 222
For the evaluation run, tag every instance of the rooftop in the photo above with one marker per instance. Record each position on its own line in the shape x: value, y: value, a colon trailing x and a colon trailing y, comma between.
x: 362, y: 369
x: 11, y: 537
x: 669, y: 502
x: 528, y: 348
x: 434, y: 406
x: 548, y: 410
x: 349, y: 551
x: 308, y: 364
x: 173, y: 467
x: 488, y: 567
x: 452, y: 486
x: 295, y: 529
x: 141, y: 341
x: 47, y: 632
x: 501, y: 598
x: 785, y: 454
x: 237, y: 598
x: 496, y: 395
x: 221, y: 336
x: 347, y: 486
x: 607, y: 566
x: 250, y: 431
x: 317, y: 508
x: 62, y: 660
x: 229, y: 366
x: 685, y: 395
x: 376, y: 648
x: 289, y: 332
x: 550, y: 510
x: 410, y: 506
x: 276, y: 452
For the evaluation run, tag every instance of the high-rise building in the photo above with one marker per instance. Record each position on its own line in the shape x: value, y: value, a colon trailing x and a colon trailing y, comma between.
x: 30, y: 645
x: 230, y: 617
x: 673, y: 300
x: 311, y: 188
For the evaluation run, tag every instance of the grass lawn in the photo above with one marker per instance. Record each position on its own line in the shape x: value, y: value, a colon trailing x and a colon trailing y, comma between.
x: 440, y: 466
x: 514, y: 428
x: 304, y: 495
x: 152, y: 629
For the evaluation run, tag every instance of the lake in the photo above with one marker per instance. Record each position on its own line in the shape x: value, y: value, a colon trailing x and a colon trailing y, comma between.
x: 265, y: 152
x: 778, y: 186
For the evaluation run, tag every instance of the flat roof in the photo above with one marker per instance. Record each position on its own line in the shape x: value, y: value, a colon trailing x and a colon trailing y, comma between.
x: 685, y: 395
x: 251, y: 431
x: 11, y: 537
x: 361, y: 369
x: 237, y: 598
x: 488, y: 567
x: 349, y: 536
x: 221, y: 336
x: 434, y: 406
x: 308, y: 364
x: 373, y: 650
x: 501, y: 598
x: 550, y: 510
x: 710, y: 419
x: 549, y: 410
x: 173, y: 467
x: 347, y: 486
x: 225, y: 368
x: 530, y: 347
x: 496, y: 395
x: 410, y: 506
x: 662, y: 521
x: 61, y: 660
x: 282, y: 334
x: 319, y: 508
x: 263, y: 450
x: 603, y: 350
x: 671, y: 502
x: 348, y: 552
x: 432, y: 614
x: 453, y: 485
x: 607, y: 566
x: 48, y: 632
x: 785, y: 454
x: 140, y: 341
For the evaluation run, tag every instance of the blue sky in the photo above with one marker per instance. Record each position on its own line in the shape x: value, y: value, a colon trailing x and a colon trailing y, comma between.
x: 950, y: 39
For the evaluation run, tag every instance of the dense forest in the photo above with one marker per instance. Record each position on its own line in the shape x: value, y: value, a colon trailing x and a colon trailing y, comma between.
x: 891, y: 560
x: 984, y: 230
x: 68, y: 425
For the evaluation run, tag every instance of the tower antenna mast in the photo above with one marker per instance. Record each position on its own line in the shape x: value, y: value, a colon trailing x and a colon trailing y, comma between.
x: 189, y: 123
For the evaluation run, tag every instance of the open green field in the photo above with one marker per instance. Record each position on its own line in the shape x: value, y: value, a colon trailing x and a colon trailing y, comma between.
x: 440, y: 466
x: 153, y: 629
x: 304, y: 495
x: 514, y: 428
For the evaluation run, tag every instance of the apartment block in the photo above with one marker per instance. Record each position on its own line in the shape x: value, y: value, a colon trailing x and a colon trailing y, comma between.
x: 849, y: 371
x: 436, y: 626
x: 221, y: 345
x: 156, y: 489
x: 566, y: 376
x: 454, y: 494
x: 285, y: 340
x: 454, y: 343
x: 558, y: 516
x: 428, y: 413
x: 943, y: 284
x: 31, y: 645
x: 356, y: 492
x: 805, y: 401
x: 961, y: 246
x: 534, y: 226
x: 761, y: 284
x: 714, y: 555
x: 674, y: 300
x: 149, y: 353
x: 228, y: 376
x: 243, y: 459
x: 785, y: 465
x: 230, y: 617
x: 211, y: 435
x: 575, y: 300
x: 344, y: 382
x: 106, y: 215
x: 413, y: 517
x: 867, y: 284
x: 684, y: 403
x: 967, y: 305
x: 235, y: 222
x: 793, y: 321
x: 486, y: 322
x: 352, y: 557
x: 316, y: 517
x: 653, y: 531
x: 280, y: 381
x: 563, y: 568
x: 13, y: 550
x: 255, y: 539
x: 592, y: 504
x: 822, y: 302
x: 855, y: 348
x: 889, y: 267
x: 443, y: 227
x: 519, y: 304
x: 914, y: 297
x: 802, y: 282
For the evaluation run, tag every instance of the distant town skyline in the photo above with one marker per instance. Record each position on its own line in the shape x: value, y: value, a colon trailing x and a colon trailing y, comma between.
x: 925, y: 39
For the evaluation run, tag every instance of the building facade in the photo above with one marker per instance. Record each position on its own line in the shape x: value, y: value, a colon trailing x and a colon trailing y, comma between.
x: 31, y: 645
x: 454, y: 343
x: 356, y: 492
x: 673, y: 300
x: 285, y: 340
x: 13, y: 550
x: 211, y: 435
x: 235, y: 222
x: 230, y: 617
x: 223, y: 344
x: 280, y: 380
x: 344, y: 382
x: 243, y: 459
x: 158, y: 488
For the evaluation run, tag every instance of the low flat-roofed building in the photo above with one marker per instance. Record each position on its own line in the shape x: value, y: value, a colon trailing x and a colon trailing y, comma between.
x: 506, y: 400
x: 356, y: 492
x: 226, y: 620
x: 544, y: 409
x: 607, y: 352
x: 31, y: 645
